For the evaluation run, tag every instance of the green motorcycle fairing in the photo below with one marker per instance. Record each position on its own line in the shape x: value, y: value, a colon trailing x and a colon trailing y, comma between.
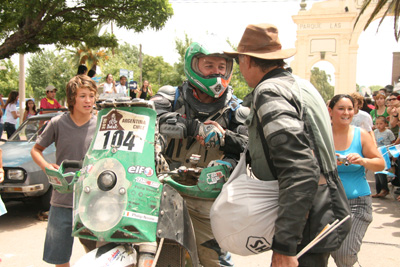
x: 117, y: 196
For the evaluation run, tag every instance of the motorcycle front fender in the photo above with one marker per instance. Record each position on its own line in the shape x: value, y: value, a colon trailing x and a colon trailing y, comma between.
x: 175, y: 224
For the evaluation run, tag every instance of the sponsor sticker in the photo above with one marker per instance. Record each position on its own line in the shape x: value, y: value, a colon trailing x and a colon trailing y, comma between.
x: 141, y: 170
x: 123, y: 130
x: 214, y: 177
x: 54, y: 180
x: 144, y: 181
x: 141, y: 216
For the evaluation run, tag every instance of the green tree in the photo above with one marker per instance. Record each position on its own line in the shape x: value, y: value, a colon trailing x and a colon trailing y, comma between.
x: 126, y: 57
x: 25, y: 24
x: 181, y: 46
x: 320, y: 79
x: 375, y: 87
x: 390, y: 7
x: 157, y: 72
x: 238, y: 83
x: 49, y: 68
x: 9, y: 79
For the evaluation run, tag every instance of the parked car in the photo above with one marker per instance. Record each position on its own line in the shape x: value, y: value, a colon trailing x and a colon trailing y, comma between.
x: 23, y: 179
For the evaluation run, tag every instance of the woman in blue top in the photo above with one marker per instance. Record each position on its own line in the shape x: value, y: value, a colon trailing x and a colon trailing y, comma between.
x: 361, y: 152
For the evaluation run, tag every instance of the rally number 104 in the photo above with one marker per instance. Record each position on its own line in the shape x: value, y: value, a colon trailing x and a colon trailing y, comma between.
x: 117, y: 139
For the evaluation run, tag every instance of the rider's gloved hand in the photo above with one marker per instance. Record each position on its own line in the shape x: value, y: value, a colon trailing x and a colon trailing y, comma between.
x: 220, y: 162
x: 210, y: 135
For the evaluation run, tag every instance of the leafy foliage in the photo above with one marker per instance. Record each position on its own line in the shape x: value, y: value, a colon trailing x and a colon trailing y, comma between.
x: 320, y: 79
x: 156, y: 71
x: 49, y: 68
x: 392, y: 8
x: 9, y: 79
x: 25, y: 24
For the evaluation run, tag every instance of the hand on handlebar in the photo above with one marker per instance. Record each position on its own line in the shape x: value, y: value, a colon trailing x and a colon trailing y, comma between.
x: 51, y: 166
x: 211, y: 134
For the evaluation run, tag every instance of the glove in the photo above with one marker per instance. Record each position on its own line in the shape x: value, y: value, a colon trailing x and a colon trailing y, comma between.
x: 212, y: 135
x: 220, y: 162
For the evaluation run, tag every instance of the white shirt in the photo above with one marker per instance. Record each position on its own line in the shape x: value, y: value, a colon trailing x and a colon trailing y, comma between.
x: 108, y: 88
x: 363, y: 120
x: 9, y: 117
x: 121, y: 89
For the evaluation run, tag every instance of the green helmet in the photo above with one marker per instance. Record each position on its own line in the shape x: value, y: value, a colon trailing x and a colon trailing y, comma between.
x: 213, y: 85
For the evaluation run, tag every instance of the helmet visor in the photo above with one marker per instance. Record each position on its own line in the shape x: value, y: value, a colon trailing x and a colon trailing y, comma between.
x: 212, y: 66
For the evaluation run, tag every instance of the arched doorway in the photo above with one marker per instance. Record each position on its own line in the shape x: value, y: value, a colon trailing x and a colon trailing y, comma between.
x: 325, y: 32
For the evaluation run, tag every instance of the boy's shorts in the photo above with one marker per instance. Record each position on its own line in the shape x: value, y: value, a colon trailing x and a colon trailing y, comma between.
x: 58, y: 242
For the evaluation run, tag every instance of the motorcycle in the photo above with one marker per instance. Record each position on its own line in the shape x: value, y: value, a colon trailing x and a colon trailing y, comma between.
x: 126, y: 199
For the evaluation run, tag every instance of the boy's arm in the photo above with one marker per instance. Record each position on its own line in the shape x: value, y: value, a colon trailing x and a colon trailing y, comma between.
x: 37, y: 156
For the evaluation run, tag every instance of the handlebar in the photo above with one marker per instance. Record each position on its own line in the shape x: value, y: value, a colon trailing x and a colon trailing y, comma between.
x: 76, y: 164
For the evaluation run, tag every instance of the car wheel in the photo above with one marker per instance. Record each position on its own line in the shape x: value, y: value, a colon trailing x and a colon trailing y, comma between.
x: 44, y: 201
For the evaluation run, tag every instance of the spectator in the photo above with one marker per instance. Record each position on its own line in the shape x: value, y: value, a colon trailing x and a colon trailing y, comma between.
x: 49, y: 102
x: 393, y: 109
x: 356, y: 144
x: 366, y: 105
x: 30, y: 109
x: 82, y: 69
x: 11, y: 113
x: 109, y: 85
x: 72, y: 133
x: 384, y: 137
x: 2, y: 106
x: 361, y: 118
x: 91, y: 73
x: 380, y: 107
x: 133, y: 90
x: 3, y: 209
x: 121, y: 87
x: 383, y: 91
x: 145, y: 90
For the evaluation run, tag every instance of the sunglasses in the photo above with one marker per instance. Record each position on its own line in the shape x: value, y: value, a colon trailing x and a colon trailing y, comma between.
x: 392, y: 99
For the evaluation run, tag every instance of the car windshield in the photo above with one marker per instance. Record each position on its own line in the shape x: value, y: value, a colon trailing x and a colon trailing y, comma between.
x: 29, y: 130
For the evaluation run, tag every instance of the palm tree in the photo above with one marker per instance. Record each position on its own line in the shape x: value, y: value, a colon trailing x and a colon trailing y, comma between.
x: 90, y: 56
x: 392, y: 8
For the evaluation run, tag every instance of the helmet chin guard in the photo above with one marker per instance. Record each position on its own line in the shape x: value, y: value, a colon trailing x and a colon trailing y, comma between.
x: 213, y: 85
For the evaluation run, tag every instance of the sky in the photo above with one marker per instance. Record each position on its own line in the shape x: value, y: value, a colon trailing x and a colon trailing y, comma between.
x: 227, y: 19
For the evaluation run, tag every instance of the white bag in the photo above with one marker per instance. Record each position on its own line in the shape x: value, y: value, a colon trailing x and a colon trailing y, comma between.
x: 243, y: 216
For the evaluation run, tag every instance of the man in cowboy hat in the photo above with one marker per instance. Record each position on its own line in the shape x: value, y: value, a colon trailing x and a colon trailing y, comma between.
x: 290, y: 139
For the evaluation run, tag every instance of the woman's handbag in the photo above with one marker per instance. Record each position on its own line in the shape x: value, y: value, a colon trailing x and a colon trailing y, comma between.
x: 243, y: 215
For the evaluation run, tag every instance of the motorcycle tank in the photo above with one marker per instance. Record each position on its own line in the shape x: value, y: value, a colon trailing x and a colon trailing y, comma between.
x: 117, y: 196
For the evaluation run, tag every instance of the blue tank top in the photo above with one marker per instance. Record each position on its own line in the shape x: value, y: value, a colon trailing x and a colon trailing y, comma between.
x: 353, y: 176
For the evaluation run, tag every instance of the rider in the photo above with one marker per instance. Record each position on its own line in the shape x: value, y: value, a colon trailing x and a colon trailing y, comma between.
x: 203, y: 117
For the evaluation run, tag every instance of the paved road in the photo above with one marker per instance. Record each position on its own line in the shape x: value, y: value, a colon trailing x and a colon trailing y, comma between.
x: 22, y: 237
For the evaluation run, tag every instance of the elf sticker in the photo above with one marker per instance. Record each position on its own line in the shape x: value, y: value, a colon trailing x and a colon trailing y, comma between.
x: 141, y: 170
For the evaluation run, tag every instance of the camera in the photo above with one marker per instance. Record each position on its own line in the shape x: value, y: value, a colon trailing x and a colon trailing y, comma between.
x: 343, y: 159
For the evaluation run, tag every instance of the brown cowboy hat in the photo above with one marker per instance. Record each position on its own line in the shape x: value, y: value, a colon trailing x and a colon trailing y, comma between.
x: 261, y: 41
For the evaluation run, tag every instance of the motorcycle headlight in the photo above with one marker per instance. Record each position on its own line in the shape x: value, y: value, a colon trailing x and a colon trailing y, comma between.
x: 107, y: 180
x: 17, y: 175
